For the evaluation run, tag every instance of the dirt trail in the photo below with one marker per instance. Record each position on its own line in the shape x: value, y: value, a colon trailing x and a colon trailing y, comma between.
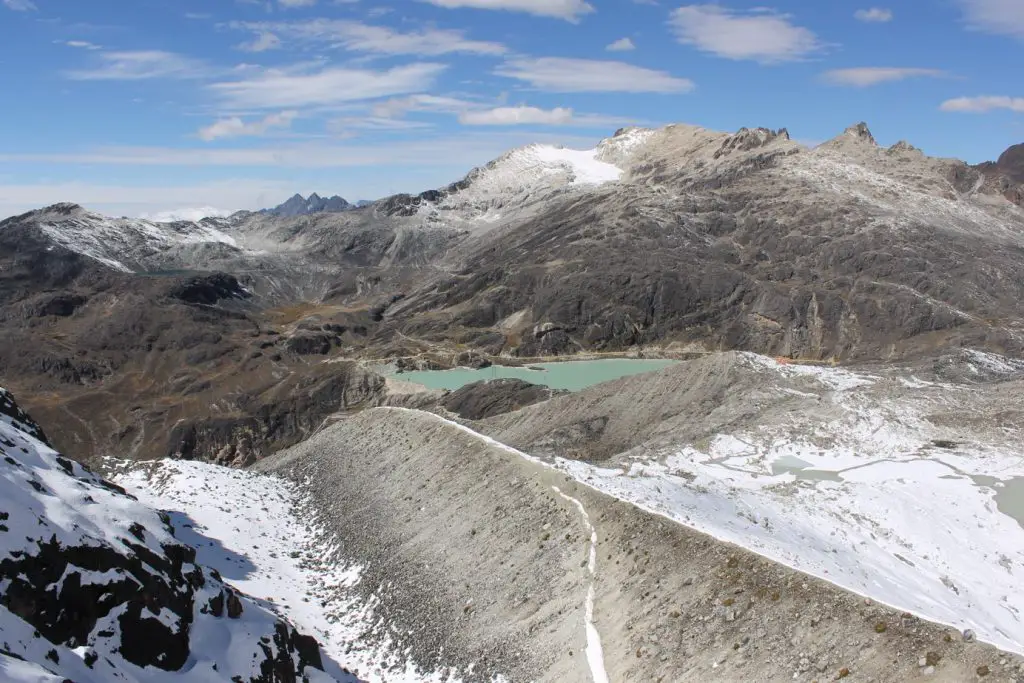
x: 478, y: 556
x: 595, y: 653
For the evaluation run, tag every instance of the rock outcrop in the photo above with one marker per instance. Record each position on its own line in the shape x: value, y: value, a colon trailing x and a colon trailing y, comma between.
x: 480, y: 400
x: 95, y: 587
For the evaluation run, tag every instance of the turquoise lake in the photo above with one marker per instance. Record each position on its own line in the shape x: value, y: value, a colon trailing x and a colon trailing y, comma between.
x: 569, y: 375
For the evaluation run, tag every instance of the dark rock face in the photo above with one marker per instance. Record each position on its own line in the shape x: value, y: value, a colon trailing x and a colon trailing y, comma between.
x: 480, y: 400
x: 264, y: 424
x: 312, y: 343
x: 208, y: 289
x: 1011, y: 163
x: 116, y: 582
x: 1006, y: 174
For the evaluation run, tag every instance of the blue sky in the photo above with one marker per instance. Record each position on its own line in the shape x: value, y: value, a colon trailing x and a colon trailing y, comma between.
x: 143, y: 106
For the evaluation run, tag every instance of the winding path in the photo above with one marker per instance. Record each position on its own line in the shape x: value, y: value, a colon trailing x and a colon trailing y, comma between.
x: 595, y: 653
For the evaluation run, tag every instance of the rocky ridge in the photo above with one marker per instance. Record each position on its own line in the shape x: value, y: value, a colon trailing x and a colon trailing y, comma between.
x: 301, y: 206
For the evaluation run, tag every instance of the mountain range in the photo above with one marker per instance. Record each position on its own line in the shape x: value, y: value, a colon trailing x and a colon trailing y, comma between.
x: 303, y: 206
x: 272, y: 341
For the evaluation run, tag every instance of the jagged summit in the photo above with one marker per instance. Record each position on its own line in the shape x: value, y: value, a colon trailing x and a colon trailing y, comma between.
x: 861, y: 133
x: 298, y: 205
x: 857, y: 135
x: 746, y: 139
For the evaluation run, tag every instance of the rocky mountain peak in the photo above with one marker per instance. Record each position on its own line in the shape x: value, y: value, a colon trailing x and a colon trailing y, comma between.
x: 747, y: 139
x: 1011, y: 163
x: 61, y: 209
x: 302, y: 206
x: 861, y: 133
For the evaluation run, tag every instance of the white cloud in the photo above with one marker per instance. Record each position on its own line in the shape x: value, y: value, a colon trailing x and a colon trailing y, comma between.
x: 19, y: 5
x: 280, y: 89
x: 359, y: 37
x: 511, y: 116
x: 290, y: 4
x: 1004, y: 17
x: 879, y: 15
x: 760, y: 36
x: 188, y: 214
x: 132, y: 66
x: 264, y: 40
x: 234, y: 126
x: 570, y: 10
x: 83, y: 44
x: 985, y: 103
x: 557, y: 74
x: 397, y: 107
x: 863, y: 77
x: 621, y: 45
x: 345, y: 126
x: 465, y: 149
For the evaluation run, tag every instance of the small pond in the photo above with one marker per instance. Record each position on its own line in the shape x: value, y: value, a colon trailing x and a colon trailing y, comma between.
x: 568, y: 375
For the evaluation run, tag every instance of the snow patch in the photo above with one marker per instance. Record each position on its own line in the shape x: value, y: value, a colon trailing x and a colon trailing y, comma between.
x: 259, y: 534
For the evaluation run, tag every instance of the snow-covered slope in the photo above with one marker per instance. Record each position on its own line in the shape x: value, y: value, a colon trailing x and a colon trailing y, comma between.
x: 125, y: 244
x: 263, y: 537
x: 519, y: 179
x: 96, y: 587
x: 904, y: 489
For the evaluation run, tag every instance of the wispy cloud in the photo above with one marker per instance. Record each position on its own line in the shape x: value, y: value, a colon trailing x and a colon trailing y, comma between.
x: 463, y: 150
x: 437, y: 104
x: 234, y: 126
x: 264, y: 40
x: 621, y: 45
x: 570, y: 10
x: 275, y: 89
x: 557, y: 74
x: 140, y: 65
x: 760, y: 36
x: 83, y: 45
x: 359, y: 37
x: 875, y: 14
x: 866, y: 76
x: 512, y: 116
x: 984, y: 103
x: 292, y: 4
x: 19, y: 5
x: 347, y: 126
x: 1004, y: 17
